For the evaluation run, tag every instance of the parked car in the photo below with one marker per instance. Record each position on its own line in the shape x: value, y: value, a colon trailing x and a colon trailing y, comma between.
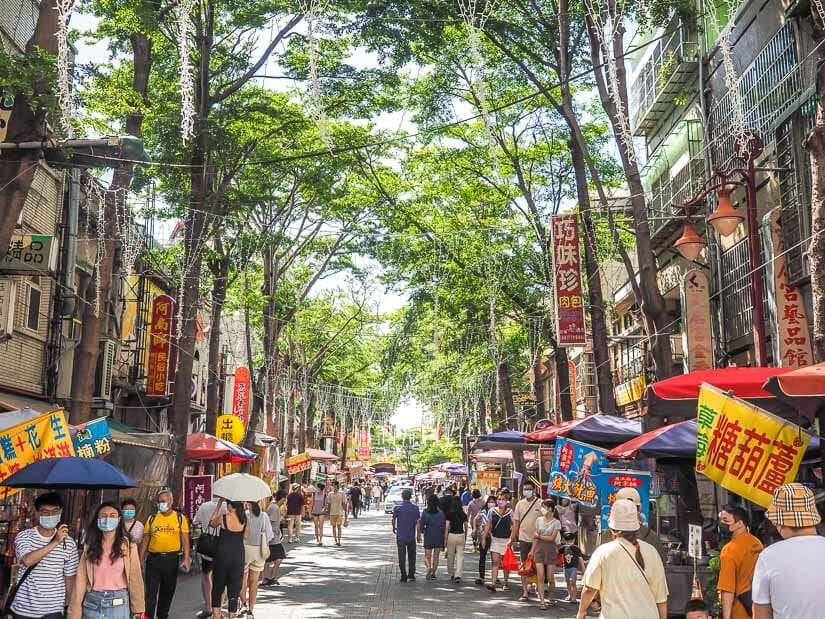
x: 393, y: 498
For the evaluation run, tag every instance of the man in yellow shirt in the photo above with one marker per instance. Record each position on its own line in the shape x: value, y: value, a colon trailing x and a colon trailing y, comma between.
x: 737, y: 562
x: 166, y: 538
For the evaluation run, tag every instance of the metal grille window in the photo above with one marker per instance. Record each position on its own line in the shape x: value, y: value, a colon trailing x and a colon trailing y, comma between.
x: 770, y: 85
x: 736, y: 292
x: 795, y: 189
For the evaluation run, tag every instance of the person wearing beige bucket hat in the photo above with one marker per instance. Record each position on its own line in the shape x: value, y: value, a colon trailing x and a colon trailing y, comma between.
x: 789, y: 580
x: 627, y: 573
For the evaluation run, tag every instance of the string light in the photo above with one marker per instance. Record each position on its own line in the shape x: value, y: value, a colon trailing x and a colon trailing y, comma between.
x: 64, y: 97
x: 183, y: 14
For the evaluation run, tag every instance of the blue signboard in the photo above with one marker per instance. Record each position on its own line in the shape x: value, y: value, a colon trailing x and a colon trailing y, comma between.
x: 612, y: 480
x: 93, y: 439
x: 575, y: 472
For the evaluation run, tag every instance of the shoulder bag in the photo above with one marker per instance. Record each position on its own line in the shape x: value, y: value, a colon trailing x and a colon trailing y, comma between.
x: 207, y: 544
x: 264, y: 542
x: 13, y: 592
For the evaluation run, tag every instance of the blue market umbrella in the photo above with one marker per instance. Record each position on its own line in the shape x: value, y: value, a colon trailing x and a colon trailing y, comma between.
x: 69, y: 472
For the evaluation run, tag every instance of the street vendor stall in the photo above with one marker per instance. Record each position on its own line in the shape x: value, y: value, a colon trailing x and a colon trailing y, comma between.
x: 595, y: 429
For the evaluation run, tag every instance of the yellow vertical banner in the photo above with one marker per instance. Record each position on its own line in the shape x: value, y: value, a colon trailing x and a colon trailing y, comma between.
x: 744, y: 448
x: 45, y: 436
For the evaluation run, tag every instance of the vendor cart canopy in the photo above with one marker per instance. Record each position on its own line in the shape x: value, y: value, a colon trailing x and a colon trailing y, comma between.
x: 596, y: 429
x: 508, y: 439
x: 321, y: 456
x: 453, y: 468
x: 499, y: 456
x: 803, y: 389
x: 208, y: 448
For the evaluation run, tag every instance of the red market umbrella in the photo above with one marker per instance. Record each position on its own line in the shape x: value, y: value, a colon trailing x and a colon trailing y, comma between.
x: 677, y: 397
x: 205, y: 447
x: 803, y: 389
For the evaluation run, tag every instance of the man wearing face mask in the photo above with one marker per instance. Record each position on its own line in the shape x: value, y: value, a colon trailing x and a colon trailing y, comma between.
x: 47, y: 564
x: 526, y: 513
x: 737, y: 561
x: 167, y: 536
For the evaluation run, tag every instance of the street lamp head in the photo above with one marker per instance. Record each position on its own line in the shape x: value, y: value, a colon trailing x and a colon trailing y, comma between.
x: 725, y: 219
x: 690, y: 244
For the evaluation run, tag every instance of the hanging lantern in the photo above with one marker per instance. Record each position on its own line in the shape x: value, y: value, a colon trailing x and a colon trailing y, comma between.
x: 725, y: 219
x: 690, y: 244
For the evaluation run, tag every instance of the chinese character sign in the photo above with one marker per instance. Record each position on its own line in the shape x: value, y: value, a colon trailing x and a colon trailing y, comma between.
x: 364, y: 444
x: 45, y: 436
x: 298, y: 464
x: 29, y: 253
x: 159, y: 338
x: 569, y: 293
x: 197, y: 490
x: 612, y: 480
x: 745, y: 449
x: 240, y: 394
x: 576, y: 468
x: 696, y: 315
x: 93, y: 439
x: 229, y: 428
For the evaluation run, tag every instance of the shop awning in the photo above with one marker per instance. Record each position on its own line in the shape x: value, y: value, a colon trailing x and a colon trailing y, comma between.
x: 14, y: 402
x: 499, y: 456
x: 319, y: 455
x: 803, y: 389
x: 508, y: 439
x: 208, y: 448
x: 453, y: 468
x: 677, y: 397
x: 594, y: 429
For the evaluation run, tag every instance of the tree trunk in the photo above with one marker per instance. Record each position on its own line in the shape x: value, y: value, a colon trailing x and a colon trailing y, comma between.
x: 508, y: 407
x: 482, y: 416
x: 220, y: 275
x: 289, y: 444
x: 566, y: 403
x: 598, y: 320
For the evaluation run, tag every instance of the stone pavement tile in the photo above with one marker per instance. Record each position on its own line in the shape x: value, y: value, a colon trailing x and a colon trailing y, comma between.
x: 361, y: 581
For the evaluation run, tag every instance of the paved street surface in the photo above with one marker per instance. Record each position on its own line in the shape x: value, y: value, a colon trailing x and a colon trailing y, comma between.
x: 361, y: 579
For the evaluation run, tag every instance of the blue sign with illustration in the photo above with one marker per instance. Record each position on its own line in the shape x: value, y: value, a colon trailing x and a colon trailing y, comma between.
x: 576, y: 469
x: 93, y: 439
x: 612, y: 480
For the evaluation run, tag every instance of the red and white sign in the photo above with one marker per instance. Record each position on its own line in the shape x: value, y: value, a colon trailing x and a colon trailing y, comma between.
x: 197, y: 490
x: 792, y: 333
x: 159, y: 341
x: 240, y: 394
x: 696, y: 310
x: 569, y: 293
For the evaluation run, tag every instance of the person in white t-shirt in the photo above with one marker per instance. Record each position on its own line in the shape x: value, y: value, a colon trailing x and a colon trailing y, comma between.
x: 789, y: 579
x: 628, y: 573
x: 201, y: 519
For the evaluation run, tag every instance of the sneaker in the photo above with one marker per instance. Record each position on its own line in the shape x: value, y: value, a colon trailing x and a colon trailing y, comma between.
x: 479, y: 581
x: 411, y: 579
x: 204, y: 614
x: 403, y: 579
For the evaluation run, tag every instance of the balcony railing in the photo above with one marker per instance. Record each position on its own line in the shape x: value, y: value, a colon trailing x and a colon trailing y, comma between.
x: 664, y: 77
x: 667, y: 191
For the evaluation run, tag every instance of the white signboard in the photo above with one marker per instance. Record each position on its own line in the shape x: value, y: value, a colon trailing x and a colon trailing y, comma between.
x: 695, y: 541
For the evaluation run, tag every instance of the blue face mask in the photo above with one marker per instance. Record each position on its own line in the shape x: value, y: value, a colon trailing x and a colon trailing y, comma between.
x: 128, y: 514
x: 528, y: 494
x: 108, y: 524
x: 163, y: 506
x: 50, y: 522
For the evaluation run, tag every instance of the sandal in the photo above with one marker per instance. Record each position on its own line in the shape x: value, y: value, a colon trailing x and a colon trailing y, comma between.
x: 524, y: 598
x: 491, y: 588
x: 506, y: 587
x: 542, y: 606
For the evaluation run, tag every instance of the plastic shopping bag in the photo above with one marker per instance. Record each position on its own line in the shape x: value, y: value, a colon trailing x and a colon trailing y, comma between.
x: 509, y: 562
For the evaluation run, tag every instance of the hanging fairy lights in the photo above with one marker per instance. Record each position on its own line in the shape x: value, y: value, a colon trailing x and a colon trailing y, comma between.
x: 312, y: 10
x: 186, y: 82
x: 64, y: 95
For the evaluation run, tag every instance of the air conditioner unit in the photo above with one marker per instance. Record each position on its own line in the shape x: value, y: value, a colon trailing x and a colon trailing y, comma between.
x: 105, y: 368
x: 8, y: 296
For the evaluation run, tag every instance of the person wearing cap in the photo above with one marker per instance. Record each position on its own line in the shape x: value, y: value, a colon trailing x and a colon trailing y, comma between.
x: 645, y: 533
x: 736, y: 563
x: 789, y: 580
x: 628, y: 573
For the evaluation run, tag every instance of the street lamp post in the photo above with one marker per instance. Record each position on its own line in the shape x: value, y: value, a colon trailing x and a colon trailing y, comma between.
x: 725, y: 220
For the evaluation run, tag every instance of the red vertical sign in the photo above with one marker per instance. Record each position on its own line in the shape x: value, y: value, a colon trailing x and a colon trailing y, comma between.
x: 569, y: 293
x: 160, y: 333
x: 197, y: 490
x: 240, y: 394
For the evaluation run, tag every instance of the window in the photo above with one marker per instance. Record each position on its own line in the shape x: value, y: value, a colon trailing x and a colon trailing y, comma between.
x: 33, y: 298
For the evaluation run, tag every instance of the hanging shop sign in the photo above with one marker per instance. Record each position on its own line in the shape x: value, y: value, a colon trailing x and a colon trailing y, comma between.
x: 612, y: 480
x: 197, y: 490
x: 93, y: 439
x: 696, y: 316
x: 230, y: 428
x: 45, y: 436
x: 30, y: 253
x: 569, y: 293
x: 159, y: 342
x: 576, y: 468
x: 488, y: 479
x: 240, y: 394
x: 745, y: 449
x: 545, y: 462
x: 6, y: 106
x: 298, y: 464
x: 793, y: 338
x: 631, y: 391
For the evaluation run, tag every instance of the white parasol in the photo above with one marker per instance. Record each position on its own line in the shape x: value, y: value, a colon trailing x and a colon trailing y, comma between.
x: 241, y: 487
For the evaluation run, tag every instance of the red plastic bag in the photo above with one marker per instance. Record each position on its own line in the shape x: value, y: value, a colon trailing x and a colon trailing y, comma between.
x: 509, y: 562
x: 528, y: 568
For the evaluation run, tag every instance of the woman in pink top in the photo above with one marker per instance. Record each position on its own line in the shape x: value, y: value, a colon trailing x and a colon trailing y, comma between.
x: 109, y: 583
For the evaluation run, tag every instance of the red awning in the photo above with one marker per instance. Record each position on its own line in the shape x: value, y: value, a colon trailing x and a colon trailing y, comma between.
x: 320, y: 455
x: 596, y: 429
x: 804, y: 389
x: 205, y: 447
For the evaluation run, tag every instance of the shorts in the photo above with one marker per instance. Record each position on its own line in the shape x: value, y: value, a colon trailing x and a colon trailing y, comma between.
x: 276, y: 552
x: 206, y: 564
x: 498, y: 545
x: 253, y: 560
x: 524, y: 549
x: 336, y: 521
x: 317, y: 514
x: 570, y: 574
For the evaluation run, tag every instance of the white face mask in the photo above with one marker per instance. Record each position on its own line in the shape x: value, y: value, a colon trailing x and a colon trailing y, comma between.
x: 163, y: 506
x: 544, y: 511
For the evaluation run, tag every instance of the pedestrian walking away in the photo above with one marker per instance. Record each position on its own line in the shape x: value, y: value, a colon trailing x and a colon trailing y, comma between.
x: 228, y: 563
x: 47, y: 563
x: 527, y: 511
x: 201, y: 527
x: 166, y: 540
x: 109, y: 582
x: 319, y: 506
x: 294, y: 511
x: 404, y: 524
x: 277, y: 552
x: 499, y: 529
x: 337, y: 504
x: 455, y: 538
x: 355, y: 496
x: 737, y: 561
x: 789, y: 580
x: 479, y: 525
x: 545, y: 551
x: 256, y: 552
x: 367, y: 497
x: 627, y: 573
x: 431, y: 528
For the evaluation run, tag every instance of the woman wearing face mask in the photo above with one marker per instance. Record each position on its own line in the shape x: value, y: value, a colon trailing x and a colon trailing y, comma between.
x: 134, y: 527
x: 109, y: 583
x: 545, y: 550
x: 480, y: 525
x: 498, y: 529
x: 228, y: 563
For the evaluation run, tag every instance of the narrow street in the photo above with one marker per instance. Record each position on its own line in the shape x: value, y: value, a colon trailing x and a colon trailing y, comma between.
x: 361, y: 580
